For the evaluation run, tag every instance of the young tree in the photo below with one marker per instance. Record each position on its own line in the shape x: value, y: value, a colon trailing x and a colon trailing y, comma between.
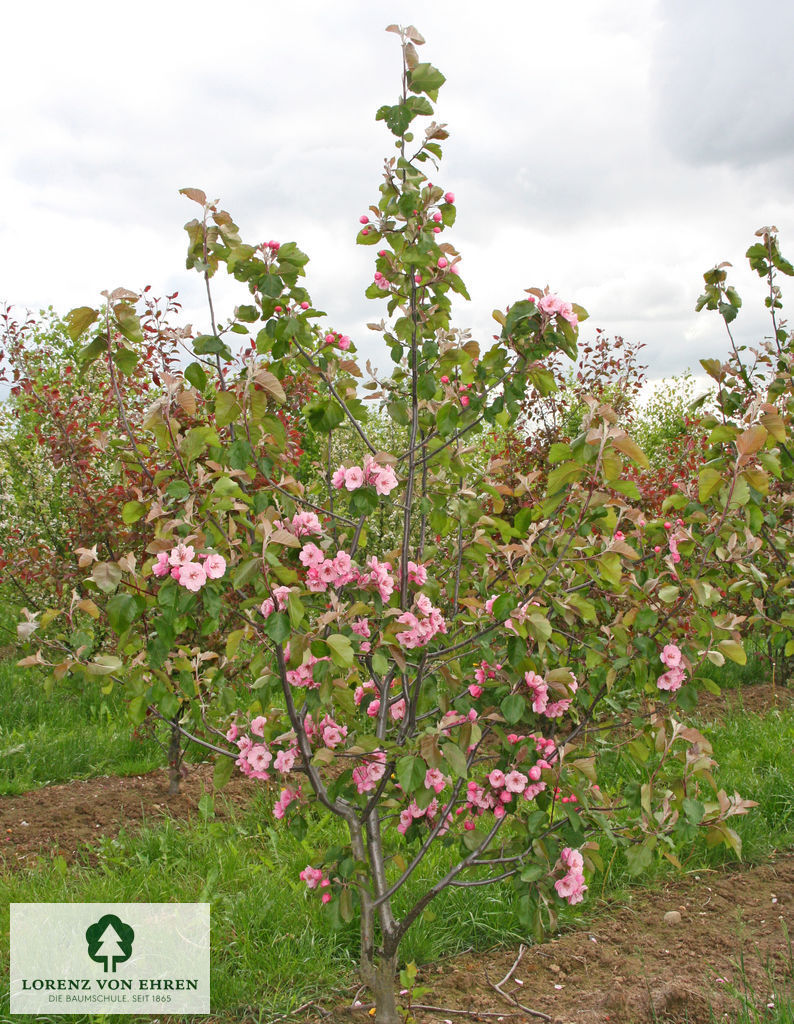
x: 455, y: 691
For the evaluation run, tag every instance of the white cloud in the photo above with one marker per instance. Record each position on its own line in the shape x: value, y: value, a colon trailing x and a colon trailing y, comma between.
x: 613, y: 149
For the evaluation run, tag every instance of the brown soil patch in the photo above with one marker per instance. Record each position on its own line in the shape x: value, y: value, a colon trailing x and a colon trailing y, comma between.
x: 66, y: 819
x: 629, y: 966
x: 759, y: 699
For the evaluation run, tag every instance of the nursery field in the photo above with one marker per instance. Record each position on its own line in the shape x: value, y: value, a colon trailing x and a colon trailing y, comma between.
x: 92, y: 820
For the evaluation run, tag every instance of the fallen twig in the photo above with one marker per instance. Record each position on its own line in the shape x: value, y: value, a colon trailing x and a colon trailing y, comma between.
x: 512, y: 999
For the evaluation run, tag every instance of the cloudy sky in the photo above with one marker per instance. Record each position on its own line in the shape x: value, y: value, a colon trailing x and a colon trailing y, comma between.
x: 611, y: 149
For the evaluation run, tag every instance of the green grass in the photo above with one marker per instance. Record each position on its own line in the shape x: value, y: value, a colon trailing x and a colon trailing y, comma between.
x: 70, y: 734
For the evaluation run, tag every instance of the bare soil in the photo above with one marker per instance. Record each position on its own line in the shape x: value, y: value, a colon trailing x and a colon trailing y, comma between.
x: 64, y: 820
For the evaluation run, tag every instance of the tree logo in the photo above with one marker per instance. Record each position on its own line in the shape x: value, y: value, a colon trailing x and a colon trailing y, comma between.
x: 110, y: 942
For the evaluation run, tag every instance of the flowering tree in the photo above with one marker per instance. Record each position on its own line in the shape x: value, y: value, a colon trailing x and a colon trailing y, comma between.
x: 456, y: 690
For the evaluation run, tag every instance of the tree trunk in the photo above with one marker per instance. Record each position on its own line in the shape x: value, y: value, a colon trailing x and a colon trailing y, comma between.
x: 381, y: 985
x: 174, y: 757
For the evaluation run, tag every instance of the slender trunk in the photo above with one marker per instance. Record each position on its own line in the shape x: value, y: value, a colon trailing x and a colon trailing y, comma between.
x: 174, y: 755
x: 383, y: 990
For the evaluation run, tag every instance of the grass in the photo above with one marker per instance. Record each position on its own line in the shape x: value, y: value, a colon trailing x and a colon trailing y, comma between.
x: 70, y: 734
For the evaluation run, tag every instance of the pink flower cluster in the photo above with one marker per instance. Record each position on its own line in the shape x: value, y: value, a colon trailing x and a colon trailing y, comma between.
x: 541, y: 704
x: 335, y: 338
x: 675, y: 675
x: 553, y: 305
x: 382, y: 478
x: 420, y: 630
x: 303, y: 675
x: 324, y: 572
x: 316, y: 879
x: 396, y: 707
x: 269, y: 605
x: 366, y: 776
x: 571, y: 886
x: 481, y: 674
x: 188, y: 572
x: 301, y: 524
x: 413, y: 812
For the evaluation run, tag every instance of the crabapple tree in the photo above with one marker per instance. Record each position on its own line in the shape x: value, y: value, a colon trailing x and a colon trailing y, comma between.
x: 454, y: 685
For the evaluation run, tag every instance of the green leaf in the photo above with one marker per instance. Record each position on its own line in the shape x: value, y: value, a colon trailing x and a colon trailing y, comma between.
x: 79, y: 320
x: 410, y: 772
x: 380, y: 663
x: 694, y: 810
x: 277, y: 627
x: 223, y: 771
x: 178, y: 489
x: 503, y: 605
x: 447, y: 419
x: 513, y: 707
x: 731, y: 649
x: 129, y: 323
x: 132, y: 511
x: 211, y: 344
x: 561, y: 476
x: 639, y: 858
x: 397, y: 118
x: 456, y: 759
x: 122, y: 611
x: 425, y: 78
x: 195, y: 375
x: 227, y: 408
x: 708, y: 481
x: 341, y: 650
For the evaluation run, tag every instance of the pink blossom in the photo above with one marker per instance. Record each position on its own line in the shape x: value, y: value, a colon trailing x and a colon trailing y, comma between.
x: 397, y: 710
x: 496, y: 778
x: 417, y: 574
x: 232, y: 732
x: 671, y: 655
x: 162, y: 566
x: 557, y: 708
x: 214, y: 566
x: 671, y: 680
x: 475, y: 691
x: 192, y: 576
x: 354, y: 478
x: 338, y: 479
x: 515, y: 782
x: 257, y: 727
x: 326, y: 897
x: 311, y: 555
x: 304, y: 305
x: 539, y: 690
x: 283, y: 802
x: 182, y: 554
x: 435, y: 779
x: 285, y: 760
x: 259, y: 757
x: 361, y: 627
x: 442, y: 262
x: 311, y: 876
x: 366, y: 776
x: 344, y: 343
